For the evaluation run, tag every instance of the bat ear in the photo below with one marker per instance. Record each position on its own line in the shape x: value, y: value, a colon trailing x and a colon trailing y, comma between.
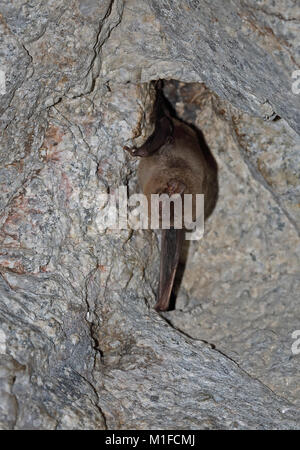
x: 175, y: 186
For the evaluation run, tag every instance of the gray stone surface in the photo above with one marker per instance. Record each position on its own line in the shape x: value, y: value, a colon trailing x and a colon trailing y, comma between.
x: 80, y: 345
x: 245, y: 51
x: 240, y: 289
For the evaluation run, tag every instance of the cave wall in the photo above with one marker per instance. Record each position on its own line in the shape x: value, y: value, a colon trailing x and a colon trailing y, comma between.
x: 80, y: 345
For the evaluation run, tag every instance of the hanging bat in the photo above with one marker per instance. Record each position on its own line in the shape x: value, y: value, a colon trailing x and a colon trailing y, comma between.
x: 172, y: 162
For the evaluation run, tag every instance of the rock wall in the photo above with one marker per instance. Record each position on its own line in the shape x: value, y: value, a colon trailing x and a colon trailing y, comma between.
x: 80, y: 345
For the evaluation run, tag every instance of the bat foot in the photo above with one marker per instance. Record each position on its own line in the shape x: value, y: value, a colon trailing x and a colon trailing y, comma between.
x: 170, y: 140
x: 131, y: 150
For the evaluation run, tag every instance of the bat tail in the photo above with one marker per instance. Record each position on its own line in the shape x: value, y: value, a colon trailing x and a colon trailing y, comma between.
x: 171, y: 244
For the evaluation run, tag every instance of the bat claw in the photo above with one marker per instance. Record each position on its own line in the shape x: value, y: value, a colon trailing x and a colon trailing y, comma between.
x: 131, y: 150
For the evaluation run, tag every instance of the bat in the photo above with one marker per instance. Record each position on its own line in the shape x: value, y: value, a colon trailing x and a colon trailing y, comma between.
x: 172, y: 162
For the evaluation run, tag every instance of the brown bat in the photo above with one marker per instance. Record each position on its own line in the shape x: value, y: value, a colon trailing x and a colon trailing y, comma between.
x: 172, y: 162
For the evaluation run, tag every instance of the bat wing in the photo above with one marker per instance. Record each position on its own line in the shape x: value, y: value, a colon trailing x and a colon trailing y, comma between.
x: 171, y: 244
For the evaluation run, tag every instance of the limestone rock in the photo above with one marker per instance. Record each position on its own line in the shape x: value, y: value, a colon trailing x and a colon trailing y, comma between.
x: 80, y: 345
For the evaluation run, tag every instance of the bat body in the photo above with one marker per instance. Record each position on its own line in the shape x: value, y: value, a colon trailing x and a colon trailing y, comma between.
x: 172, y: 162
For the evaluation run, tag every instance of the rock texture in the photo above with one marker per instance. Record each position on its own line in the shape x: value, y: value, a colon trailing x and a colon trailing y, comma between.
x: 80, y: 346
x: 246, y: 50
x: 249, y: 310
